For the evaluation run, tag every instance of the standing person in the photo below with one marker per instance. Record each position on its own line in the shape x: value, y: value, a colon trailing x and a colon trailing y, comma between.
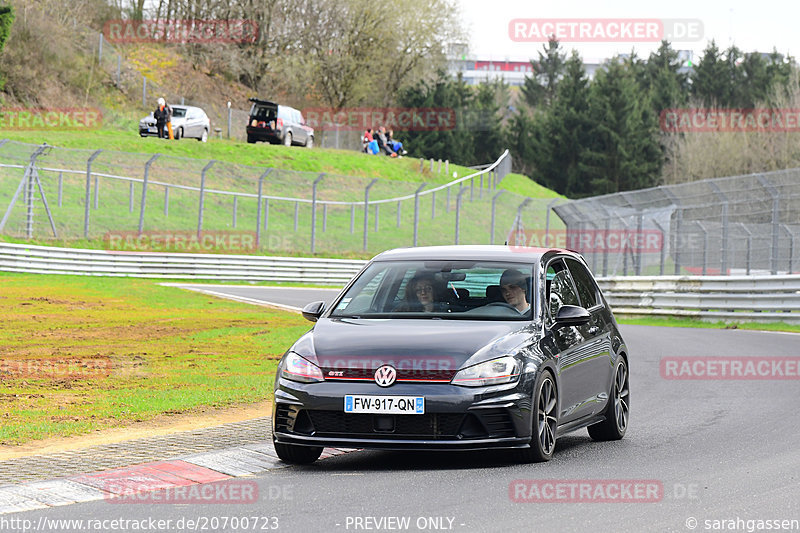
x: 162, y: 116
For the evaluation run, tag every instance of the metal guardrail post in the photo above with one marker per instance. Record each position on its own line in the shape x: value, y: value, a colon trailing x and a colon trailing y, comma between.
x: 144, y: 190
x: 416, y: 211
x: 314, y: 211
x: 458, y: 211
x: 87, y: 198
x: 494, y: 209
x: 266, y: 208
x: 366, y: 212
x: 202, y: 197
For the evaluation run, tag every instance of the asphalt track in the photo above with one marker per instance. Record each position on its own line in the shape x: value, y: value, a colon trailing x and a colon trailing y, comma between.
x: 721, y: 449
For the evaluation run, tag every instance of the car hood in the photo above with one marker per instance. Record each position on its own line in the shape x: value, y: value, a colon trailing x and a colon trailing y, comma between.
x: 424, y: 348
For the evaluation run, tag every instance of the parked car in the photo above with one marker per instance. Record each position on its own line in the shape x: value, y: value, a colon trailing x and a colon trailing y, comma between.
x: 187, y: 121
x: 516, y: 348
x: 278, y: 124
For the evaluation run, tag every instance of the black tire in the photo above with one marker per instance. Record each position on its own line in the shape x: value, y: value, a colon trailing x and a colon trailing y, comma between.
x: 178, y: 134
x: 618, y: 410
x: 203, y: 136
x: 544, y: 422
x: 287, y: 141
x: 310, y: 141
x: 251, y: 140
x: 297, y: 455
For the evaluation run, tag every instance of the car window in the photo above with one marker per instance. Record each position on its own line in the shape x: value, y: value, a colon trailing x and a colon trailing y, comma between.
x: 178, y: 112
x: 587, y: 290
x: 284, y: 113
x: 560, y: 290
x: 469, y: 290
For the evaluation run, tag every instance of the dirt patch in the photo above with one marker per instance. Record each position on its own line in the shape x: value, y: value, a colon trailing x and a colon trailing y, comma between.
x: 161, y: 425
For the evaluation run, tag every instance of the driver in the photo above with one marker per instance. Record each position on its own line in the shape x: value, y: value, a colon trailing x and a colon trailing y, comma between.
x: 514, y: 288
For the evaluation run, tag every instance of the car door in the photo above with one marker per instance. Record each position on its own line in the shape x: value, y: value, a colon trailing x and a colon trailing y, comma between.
x: 577, y: 349
x: 597, y: 333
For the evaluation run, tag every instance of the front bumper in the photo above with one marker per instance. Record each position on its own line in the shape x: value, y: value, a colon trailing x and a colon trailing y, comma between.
x: 456, y: 418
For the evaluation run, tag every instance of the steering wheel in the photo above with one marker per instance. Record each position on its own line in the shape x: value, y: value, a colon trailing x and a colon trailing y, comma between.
x: 501, y: 304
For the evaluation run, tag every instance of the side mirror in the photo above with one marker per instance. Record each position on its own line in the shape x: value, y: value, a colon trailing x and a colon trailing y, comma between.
x: 313, y: 311
x: 571, y: 315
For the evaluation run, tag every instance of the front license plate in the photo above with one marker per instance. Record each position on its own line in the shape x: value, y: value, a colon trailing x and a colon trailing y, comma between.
x: 391, y: 405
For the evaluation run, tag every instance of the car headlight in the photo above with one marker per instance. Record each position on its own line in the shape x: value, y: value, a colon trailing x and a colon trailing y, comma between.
x: 299, y: 369
x: 494, y: 372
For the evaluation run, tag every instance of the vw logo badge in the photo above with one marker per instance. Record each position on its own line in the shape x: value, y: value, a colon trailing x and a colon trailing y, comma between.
x: 385, y: 375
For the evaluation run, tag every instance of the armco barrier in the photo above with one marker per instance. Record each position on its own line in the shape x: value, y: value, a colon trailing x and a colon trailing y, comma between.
x: 49, y: 260
x: 724, y: 298
x: 727, y: 298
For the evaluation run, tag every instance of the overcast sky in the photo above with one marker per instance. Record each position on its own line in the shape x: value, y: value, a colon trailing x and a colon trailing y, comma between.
x: 752, y: 26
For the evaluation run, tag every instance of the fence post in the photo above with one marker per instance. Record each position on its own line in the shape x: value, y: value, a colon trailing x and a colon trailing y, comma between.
x: 416, y: 211
x: 377, y: 214
x: 447, y: 201
x: 676, y: 243
x: 130, y: 196
x: 366, y: 211
x: 352, y: 218
x: 472, y: 189
x: 202, y: 197
x: 96, y: 192
x: 314, y: 211
x: 144, y: 91
x: 296, y: 211
x: 398, y: 213
x: 266, y: 208
x: 60, y: 187
x: 494, y: 208
x: 88, y: 193
x: 26, y: 187
x: 776, y: 203
x: 166, y: 201
x: 705, y: 244
x: 458, y: 210
x: 324, y: 217
x: 447, y: 167
x: 235, y: 209
x: 144, y: 190
x: 547, y: 222
x: 749, y: 244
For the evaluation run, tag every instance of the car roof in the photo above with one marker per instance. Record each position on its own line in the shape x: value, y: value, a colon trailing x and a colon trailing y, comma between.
x: 515, y: 254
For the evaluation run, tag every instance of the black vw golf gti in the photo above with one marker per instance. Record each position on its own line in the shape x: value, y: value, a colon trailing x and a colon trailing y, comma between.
x: 455, y: 348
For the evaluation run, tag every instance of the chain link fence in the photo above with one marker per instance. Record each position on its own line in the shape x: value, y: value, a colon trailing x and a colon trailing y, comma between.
x: 733, y: 225
x: 131, y: 201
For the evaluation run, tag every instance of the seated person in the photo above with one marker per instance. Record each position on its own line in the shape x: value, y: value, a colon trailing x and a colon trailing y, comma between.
x: 514, y: 288
x: 383, y: 143
x: 366, y: 139
x: 423, y: 294
x: 396, y: 145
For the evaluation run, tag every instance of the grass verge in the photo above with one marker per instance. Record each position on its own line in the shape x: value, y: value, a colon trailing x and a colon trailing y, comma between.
x: 78, y: 354
x: 636, y: 320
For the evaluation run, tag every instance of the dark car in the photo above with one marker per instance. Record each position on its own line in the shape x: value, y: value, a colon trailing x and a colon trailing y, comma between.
x: 455, y: 348
x: 278, y: 124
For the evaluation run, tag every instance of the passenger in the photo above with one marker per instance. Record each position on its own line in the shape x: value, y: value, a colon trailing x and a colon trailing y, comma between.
x: 383, y: 143
x: 396, y: 145
x: 514, y: 288
x: 423, y: 294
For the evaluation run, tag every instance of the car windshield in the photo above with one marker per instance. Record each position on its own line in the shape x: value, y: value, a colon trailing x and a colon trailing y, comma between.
x: 469, y: 290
